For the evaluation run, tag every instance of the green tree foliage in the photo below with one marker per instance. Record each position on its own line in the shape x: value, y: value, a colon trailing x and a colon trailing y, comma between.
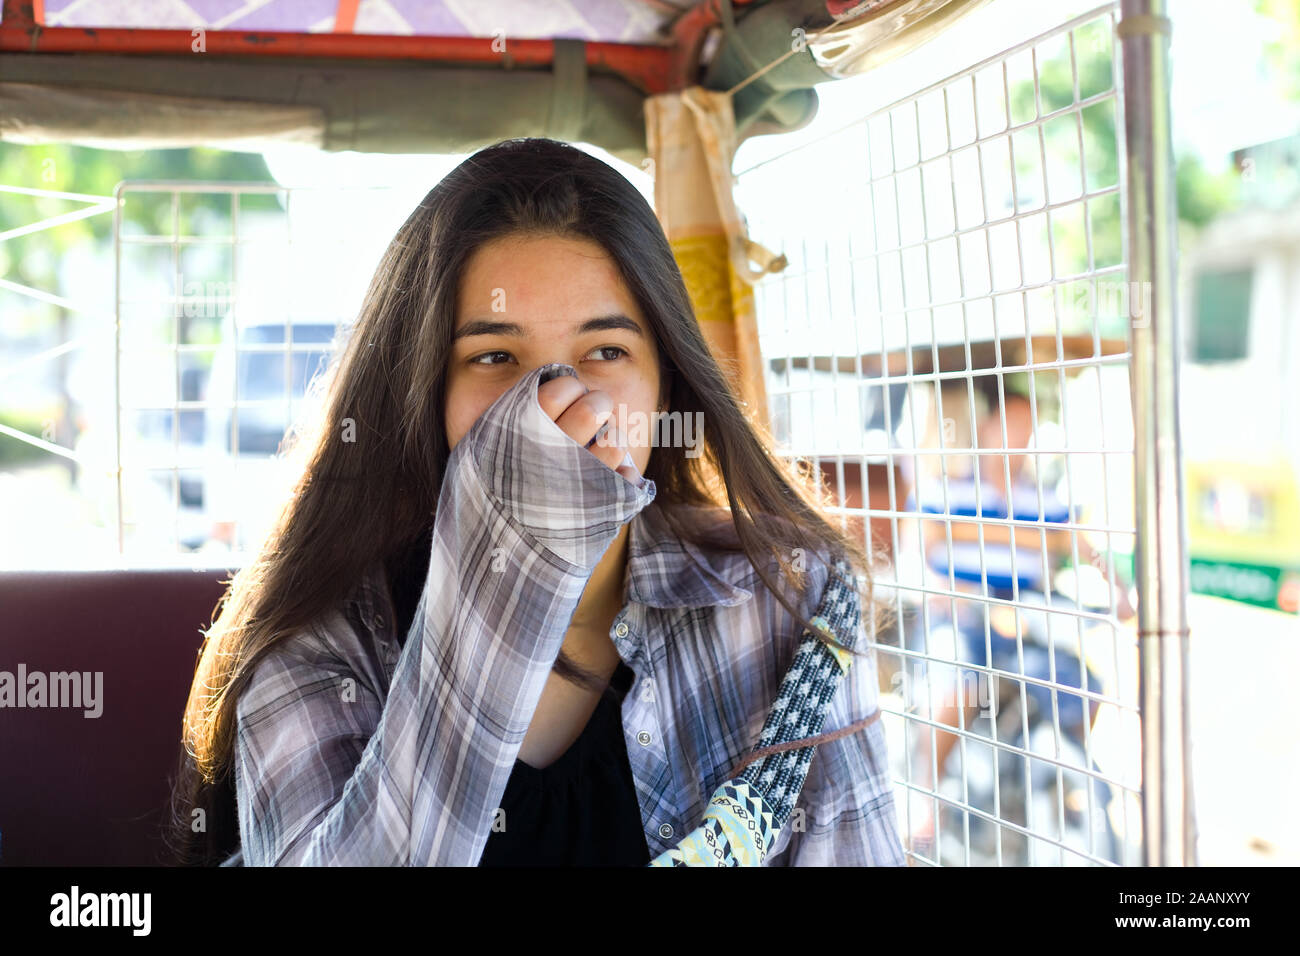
x: 1201, y: 193
x: 33, y: 259
x: 39, y: 260
x: 1282, y: 51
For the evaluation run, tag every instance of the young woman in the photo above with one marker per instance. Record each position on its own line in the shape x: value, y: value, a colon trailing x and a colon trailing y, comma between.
x: 501, y: 620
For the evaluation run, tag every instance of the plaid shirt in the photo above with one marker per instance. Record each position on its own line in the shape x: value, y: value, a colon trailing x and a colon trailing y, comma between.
x: 353, y: 748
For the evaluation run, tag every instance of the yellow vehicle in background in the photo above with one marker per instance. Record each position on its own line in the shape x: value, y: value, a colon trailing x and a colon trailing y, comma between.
x: 1241, y: 401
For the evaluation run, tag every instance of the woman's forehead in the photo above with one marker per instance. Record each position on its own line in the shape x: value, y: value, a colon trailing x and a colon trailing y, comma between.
x: 540, y: 247
x: 546, y: 280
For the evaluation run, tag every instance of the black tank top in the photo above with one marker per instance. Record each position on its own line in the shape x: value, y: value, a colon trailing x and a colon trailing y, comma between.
x: 581, y: 810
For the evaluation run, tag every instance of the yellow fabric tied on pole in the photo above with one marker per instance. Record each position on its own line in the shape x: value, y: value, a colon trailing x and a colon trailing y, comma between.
x: 691, y: 137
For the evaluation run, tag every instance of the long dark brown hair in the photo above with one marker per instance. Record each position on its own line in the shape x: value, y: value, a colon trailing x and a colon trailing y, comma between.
x: 389, y: 381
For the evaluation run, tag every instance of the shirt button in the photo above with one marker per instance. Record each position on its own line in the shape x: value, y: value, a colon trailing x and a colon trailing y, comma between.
x: 644, y: 738
x: 666, y: 830
x: 621, y: 630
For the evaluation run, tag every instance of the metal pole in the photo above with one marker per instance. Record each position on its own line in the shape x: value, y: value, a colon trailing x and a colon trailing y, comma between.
x: 117, y: 363
x: 1168, y: 824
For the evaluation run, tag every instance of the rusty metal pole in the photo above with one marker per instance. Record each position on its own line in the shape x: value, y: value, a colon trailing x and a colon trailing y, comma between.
x: 1161, y: 569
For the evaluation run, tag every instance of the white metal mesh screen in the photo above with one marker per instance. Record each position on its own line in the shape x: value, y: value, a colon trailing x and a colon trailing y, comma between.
x: 230, y: 300
x: 949, y: 344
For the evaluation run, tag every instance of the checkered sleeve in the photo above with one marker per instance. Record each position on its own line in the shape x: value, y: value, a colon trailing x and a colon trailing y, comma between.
x: 328, y: 773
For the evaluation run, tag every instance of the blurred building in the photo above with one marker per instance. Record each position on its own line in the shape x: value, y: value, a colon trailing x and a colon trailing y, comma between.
x: 1241, y: 387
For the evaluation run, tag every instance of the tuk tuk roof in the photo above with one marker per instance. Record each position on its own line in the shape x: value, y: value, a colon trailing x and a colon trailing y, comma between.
x: 424, y: 76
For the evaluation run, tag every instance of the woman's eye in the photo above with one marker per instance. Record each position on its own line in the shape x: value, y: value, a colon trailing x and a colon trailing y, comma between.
x: 478, y: 359
x: 620, y: 352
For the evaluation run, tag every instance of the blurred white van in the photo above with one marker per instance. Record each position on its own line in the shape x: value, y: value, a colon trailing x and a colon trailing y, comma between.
x: 258, y: 388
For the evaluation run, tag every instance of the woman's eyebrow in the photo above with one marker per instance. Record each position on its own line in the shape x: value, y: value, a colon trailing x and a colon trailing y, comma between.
x: 495, y: 327
x: 487, y: 327
x: 607, y: 323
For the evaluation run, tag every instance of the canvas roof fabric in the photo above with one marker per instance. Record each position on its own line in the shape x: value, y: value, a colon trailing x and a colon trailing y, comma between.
x: 383, y: 104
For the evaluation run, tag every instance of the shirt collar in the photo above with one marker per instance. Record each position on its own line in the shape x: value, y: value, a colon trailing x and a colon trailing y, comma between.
x: 663, y: 570
x: 666, y: 571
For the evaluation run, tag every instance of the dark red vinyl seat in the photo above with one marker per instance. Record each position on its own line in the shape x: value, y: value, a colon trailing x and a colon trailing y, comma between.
x: 79, y: 790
